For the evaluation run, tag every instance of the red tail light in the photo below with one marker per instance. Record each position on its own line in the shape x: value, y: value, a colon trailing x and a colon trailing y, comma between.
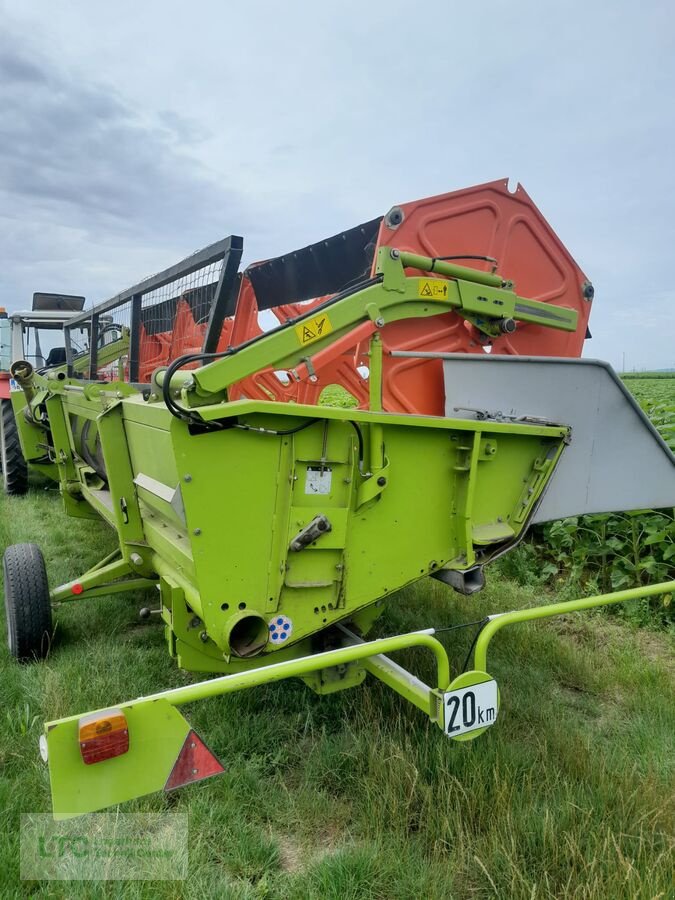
x: 103, y: 735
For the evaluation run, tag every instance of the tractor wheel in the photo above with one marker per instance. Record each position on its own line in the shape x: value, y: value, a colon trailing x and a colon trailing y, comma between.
x: 14, y: 468
x: 27, y: 606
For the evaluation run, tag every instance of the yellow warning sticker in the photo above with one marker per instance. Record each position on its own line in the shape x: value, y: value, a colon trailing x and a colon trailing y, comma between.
x: 433, y: 289
x: 313, y: 329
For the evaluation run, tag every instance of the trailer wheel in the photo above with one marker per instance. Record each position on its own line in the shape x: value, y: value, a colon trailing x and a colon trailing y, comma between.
x: 27, y: 605
x: 14, y: 468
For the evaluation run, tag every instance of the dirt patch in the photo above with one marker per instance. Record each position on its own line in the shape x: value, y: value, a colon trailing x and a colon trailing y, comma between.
x: 657, y: 648
x: 296, y: 856
x: 292, y: 854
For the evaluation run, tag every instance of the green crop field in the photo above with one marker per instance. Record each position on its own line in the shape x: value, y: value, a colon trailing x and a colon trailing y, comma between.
x: 655, y: 392
x: 357, y: 795
x: 591, y: 554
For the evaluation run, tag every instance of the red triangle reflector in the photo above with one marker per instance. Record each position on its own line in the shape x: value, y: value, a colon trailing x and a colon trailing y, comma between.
x: 195, y: 762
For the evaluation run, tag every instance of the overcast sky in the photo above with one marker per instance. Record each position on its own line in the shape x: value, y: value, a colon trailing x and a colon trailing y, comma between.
x: 132, y: 133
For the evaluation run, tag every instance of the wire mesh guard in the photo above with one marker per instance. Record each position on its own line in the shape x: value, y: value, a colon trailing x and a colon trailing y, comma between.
x: 112, y: 343
x: 147, y: 326
x: 174, y: 318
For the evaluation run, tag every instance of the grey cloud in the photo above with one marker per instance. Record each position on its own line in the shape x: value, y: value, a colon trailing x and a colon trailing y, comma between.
x: 94, y: 196
x: 314, y: 123
x: 76, y: 148
x: 17, y: 69
x: 185, y: 129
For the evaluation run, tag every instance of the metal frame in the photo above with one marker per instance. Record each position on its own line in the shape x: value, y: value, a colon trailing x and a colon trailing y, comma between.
x: 159, y: 734
x: 373, y: 653
x: 390, y: 297
x: 224, y: 299
x: 228, y: 249
x: 47, y: 319
x: 500, y: 620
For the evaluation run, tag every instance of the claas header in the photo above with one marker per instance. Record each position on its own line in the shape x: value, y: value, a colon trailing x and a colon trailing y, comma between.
x: 274, y: 527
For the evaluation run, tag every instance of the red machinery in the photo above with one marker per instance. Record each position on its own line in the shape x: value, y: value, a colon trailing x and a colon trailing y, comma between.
x: 486, y: 227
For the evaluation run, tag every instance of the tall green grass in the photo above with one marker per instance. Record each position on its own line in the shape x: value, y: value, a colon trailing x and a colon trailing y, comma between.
x: 357, y: 795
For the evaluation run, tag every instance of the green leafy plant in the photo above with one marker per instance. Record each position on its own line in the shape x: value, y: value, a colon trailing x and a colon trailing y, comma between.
x: 612, y: 552
x: 603, y: 553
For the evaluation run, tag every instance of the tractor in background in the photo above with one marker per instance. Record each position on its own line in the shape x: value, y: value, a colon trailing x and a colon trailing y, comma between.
x: 37, y: 336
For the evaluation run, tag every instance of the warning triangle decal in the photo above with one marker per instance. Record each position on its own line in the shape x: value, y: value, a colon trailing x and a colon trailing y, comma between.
x: 195, y: 762
x: 426, y: 290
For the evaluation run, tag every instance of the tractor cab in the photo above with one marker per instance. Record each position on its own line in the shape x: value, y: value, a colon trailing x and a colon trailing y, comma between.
x: 37, y: 335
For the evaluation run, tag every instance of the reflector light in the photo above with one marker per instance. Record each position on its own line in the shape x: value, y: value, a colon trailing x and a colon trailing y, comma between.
x: 76, y: 588
x: 194, y: 763
x: 103, y: 735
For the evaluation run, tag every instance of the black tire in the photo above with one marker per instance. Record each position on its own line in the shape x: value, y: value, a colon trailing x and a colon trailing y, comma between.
x: 27, y: 606
x: 14, y: 468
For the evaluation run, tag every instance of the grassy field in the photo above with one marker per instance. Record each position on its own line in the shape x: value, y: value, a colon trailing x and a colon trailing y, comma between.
x: 357, y: 795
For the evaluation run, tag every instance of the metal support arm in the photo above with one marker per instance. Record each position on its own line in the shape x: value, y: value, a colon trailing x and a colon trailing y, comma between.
x: 478, y: 296
x: 500, y: 620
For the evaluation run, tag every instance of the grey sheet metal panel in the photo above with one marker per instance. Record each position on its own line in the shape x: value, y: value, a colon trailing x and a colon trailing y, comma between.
x: 616, y: 459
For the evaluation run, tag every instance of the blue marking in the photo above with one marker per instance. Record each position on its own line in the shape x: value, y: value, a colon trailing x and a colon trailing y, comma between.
x: 286, y: 626
x: 280, y: 621
x: 282, y: 636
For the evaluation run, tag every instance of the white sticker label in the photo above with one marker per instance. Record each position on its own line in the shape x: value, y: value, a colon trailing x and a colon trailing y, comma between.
x: 318, y: 481
x: 280, y: 629
x: 470, y: 708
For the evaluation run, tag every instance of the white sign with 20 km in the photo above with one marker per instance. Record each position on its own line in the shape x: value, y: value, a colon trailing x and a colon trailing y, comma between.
x: 471, y: 708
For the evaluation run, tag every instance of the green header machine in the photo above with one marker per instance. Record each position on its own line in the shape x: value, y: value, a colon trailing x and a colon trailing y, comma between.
x: 274, y: 532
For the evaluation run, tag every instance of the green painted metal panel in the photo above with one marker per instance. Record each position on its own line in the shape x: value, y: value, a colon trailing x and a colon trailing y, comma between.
x: 156, y: 734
